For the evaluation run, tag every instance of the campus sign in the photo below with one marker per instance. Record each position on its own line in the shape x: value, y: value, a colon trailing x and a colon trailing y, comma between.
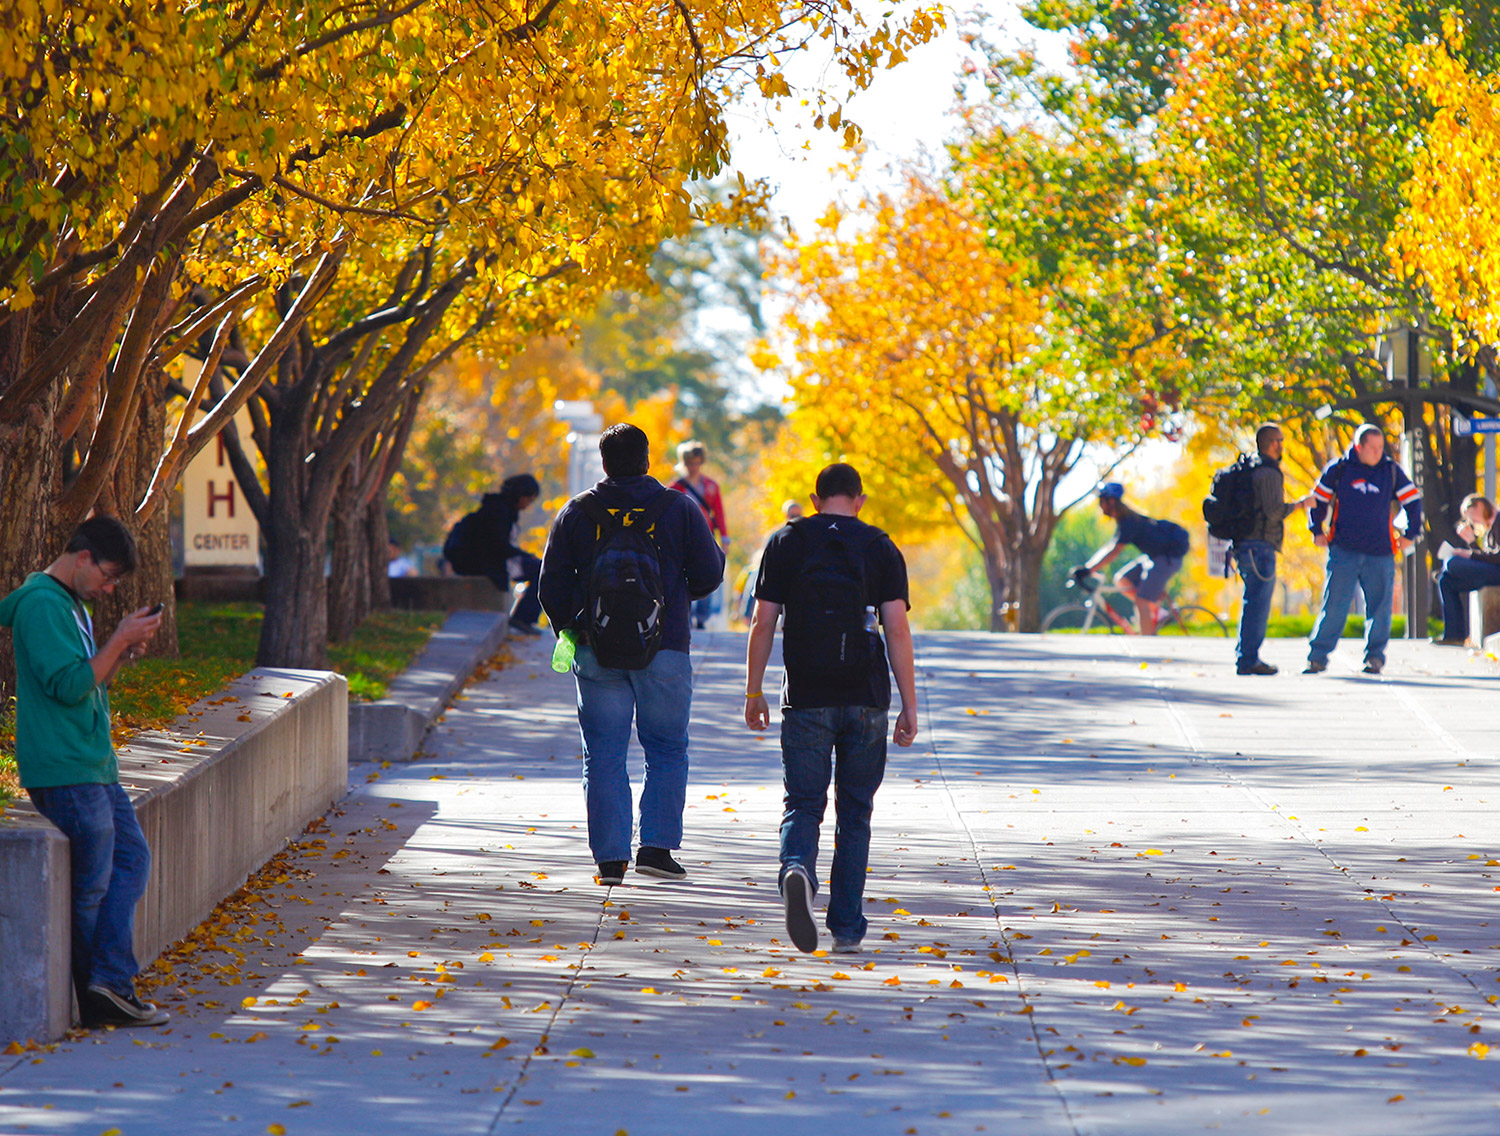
x: 218, y: 528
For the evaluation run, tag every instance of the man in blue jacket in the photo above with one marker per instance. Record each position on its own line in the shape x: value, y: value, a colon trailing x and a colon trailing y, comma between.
x: 1358, y: 496
x: 658, y: 697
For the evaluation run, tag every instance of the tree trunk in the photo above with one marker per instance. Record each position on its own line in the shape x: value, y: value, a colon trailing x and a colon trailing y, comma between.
x: 294, y: 631
x: 999, y: 580
x: 378, y: 534
x: 151, y: 582
x: 1028, y: 561
x: 349, y: 574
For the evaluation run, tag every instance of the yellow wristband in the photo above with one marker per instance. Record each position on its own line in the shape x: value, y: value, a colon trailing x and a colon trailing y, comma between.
x: 754, y: 694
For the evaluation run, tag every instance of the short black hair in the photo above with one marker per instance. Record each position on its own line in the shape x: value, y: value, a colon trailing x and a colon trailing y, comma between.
x: 839, y: 480
x: 107, y: 541
x: 1265, y: 433
x: 625, y: 451
x: 519, y: 485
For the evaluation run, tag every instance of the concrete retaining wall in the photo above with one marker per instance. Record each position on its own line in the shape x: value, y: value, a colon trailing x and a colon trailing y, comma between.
x: 218, y: 795
x: 392, y: 729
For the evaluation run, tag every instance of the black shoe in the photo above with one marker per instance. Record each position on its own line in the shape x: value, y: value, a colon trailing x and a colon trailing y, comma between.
x: 797, y: 892
x: 525, y: 629
x: 1374, y: 666
x: 1256, y: 668
x: 612, y: 872
x: 106, y: 1007
x: 658, y: 862
x: 1313, y: 668
x: 1449, y: 642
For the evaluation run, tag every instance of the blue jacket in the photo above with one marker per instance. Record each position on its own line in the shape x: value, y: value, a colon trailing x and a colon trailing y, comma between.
x: 1357, y: 499
x: 692, y: 563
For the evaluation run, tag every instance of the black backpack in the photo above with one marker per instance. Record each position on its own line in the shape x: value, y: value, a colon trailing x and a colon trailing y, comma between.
x: 625, y: 601
x: 826, y: 632
x: 1229, y: 507
x: 462, y: 548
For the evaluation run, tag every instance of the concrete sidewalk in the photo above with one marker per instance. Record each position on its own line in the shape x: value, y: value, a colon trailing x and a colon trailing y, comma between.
x: 1115, y: 888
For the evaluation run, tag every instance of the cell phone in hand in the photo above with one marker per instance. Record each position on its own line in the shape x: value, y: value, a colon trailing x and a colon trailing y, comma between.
x: 155, y: 609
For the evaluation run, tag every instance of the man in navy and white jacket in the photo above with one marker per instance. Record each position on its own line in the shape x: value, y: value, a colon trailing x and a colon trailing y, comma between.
x: 1358, y: 495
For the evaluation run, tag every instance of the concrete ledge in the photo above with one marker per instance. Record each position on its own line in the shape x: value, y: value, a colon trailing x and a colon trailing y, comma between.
x: 447, y: 593
x: 1484, y: 615
x: 218, y: 795
x: 392, y: 729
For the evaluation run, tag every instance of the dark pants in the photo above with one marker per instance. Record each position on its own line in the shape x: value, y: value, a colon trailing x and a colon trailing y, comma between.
x: 1460, y: 576
x: 844, y: 744
x: 1257, y: 564
x: 110, y: 865
x: 528, y: 606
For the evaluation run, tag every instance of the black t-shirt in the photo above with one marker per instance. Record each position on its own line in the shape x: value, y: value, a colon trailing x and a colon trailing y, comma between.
x: 885, y: 580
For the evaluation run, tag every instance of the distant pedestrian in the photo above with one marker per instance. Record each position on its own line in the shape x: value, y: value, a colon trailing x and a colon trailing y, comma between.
x: 1162, y: 545
x: 484, y: 543
x: 623, y: 562
x: 1255, y: 554
x: 397, y: 563
x: 791, y: 510
x: 1473, y: 565
x: 1358, y: 495
x: 705, y: 491
x: 67, y: 762
x: 836, y: 580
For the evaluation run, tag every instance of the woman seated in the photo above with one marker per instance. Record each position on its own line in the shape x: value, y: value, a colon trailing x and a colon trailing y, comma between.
x: 1469, y: 568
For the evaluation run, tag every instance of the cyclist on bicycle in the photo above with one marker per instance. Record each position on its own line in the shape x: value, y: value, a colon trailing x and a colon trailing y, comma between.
x: 1162, y: 545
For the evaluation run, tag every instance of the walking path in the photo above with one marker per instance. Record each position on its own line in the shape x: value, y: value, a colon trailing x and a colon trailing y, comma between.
x: 1114, y: 889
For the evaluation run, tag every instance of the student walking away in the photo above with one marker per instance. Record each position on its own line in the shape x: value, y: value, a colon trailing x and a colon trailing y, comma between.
x: 791, y: 509
x: 483, y: 543
x: 705, y: 491
x: 623, y: 563
x: 1468, y: 567
x: 1162, y: 545
x: 67, y: 763
x: 836, y: 580
x: 1358, y: 495
x: 1255, y: 552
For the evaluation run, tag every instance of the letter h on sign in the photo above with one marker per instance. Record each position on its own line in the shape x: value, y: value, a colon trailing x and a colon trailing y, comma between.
x: 227, y: 497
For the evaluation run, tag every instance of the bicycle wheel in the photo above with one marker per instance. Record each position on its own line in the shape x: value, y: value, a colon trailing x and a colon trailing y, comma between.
x: 1067, y: 619
x: 1195, y: 620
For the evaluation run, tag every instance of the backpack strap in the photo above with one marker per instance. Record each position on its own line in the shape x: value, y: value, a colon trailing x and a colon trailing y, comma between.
x: 651, y: 512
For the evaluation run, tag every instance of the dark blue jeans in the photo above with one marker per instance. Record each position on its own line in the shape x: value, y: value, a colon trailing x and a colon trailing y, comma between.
x: 1257, y: 564
x: 110, y: 865
x: 528, y: 605
x: 844, y: 744
x: 1460, y: 576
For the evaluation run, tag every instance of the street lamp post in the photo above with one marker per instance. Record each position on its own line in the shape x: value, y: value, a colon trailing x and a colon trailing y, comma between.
x: 584, y: 425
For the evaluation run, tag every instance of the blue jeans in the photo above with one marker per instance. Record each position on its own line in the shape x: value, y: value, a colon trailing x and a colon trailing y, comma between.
x: 845, y: 744
x: 659, y: 700
x: 1376, y: 577
x: 110, y: 865
x: 1257, y: 563
x: 1460, y: 576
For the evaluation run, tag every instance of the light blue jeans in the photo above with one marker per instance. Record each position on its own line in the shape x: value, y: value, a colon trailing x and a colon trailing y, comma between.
x: 111, y: 862
x: 1376, y: 577
x: 659, y: 701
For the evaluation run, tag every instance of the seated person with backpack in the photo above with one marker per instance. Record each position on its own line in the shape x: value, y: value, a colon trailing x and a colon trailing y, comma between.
x: 1162, y: 545
x: 483, y: 543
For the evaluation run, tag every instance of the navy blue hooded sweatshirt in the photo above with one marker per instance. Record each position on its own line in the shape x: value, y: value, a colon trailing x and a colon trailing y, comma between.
x: 692, y: 563
x: 1356, y: 500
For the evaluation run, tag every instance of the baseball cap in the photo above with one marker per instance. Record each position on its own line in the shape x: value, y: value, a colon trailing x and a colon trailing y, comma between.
x: 1112, y: 490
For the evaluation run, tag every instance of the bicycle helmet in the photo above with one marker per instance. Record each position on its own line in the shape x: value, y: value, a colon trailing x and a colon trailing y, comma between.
x: 1111, y: 491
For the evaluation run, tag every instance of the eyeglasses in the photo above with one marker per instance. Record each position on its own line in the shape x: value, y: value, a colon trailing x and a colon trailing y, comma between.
x: 111, y: 577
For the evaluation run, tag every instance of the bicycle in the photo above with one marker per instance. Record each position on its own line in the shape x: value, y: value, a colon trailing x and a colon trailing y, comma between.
x: 1095, y: 613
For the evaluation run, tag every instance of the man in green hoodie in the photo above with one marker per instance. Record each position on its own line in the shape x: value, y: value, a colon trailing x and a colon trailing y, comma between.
x: 67, y: 761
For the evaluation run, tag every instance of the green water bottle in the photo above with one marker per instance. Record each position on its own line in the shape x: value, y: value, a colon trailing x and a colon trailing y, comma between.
x: 562, y: 654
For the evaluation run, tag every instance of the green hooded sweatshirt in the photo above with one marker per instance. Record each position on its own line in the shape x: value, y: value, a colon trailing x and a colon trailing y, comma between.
x: 62, y: 714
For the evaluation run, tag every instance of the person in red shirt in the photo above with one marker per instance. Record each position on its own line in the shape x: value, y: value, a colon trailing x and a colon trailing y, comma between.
x: 705, y: 491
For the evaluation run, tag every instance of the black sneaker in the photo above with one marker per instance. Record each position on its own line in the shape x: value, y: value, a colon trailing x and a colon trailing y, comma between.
x: 658, y: 862
x: 1256, y: 668
x: 1449, y: 642
x: 797, y: 892
x: 1374, y: 666
x: 525, y: 629
x: 612, y: 872
x: 106, y: 1007
x: 1313, y: 668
